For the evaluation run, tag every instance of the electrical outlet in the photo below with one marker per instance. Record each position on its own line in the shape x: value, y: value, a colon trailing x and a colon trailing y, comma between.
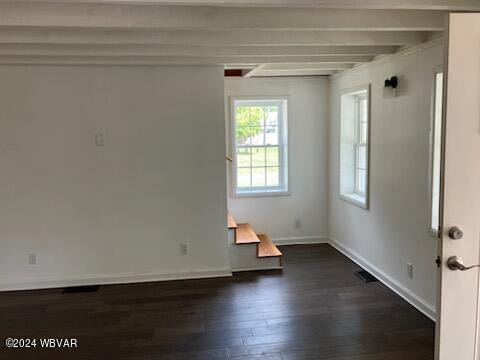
x: 410, y: 270
x: 32, y: 259
x: 298, y: 223
x: 99, y: 139
x: 183, y: 249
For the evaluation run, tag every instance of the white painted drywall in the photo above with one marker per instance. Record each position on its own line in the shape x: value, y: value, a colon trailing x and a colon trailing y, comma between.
x: 394, y: 230
x: 307, y: 132
x: 116, y: 213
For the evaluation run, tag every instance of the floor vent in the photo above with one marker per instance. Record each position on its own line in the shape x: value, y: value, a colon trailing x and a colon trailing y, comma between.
x: 80, y: 289
x: 365, y: 276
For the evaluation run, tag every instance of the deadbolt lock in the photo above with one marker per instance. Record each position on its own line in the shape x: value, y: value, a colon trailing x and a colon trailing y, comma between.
x: 455, y: 233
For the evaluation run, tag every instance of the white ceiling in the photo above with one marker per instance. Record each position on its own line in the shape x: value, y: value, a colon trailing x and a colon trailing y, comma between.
x: 264, y: 37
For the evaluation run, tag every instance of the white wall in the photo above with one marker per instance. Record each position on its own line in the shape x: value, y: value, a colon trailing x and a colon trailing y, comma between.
x: 395, y: 229
x: 307, y: 130
x: 114, y: 213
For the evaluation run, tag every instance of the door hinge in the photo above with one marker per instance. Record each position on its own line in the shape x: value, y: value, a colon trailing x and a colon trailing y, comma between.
x: 438, y: 261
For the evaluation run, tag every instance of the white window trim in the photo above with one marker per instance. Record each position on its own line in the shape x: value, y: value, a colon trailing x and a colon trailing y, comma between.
x: 362, y: 201
x: 283, y: 147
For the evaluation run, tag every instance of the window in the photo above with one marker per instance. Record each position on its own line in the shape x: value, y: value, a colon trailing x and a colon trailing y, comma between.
x: 436, y: 153
x: 260, y: 146
x: 354, y: 145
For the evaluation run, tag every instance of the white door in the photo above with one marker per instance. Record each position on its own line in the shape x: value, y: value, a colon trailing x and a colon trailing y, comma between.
x: 457, y: 325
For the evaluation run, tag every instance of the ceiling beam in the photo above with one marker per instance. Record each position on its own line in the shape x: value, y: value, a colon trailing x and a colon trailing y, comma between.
x: 307, y: 66
x: 306, y: 72
x: 175, y: 60
x: 251, y: 72
x: 182, y: 50
x: 468, y: 5
x: 239, y: 66
x: 215, y: 18
x: 224, y: 38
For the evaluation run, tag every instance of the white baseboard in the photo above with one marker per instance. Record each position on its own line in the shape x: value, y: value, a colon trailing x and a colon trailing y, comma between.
x: 49, y: 283
x: 423, y: 306
x: 301, y: 240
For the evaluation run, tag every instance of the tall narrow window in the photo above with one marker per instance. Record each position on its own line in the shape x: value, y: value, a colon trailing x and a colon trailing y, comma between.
x: 260, y: 141
x: 354, y: 145
x: 436, y: 153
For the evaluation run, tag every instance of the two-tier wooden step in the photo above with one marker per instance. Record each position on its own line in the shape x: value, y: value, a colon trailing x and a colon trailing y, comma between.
x: 242, y: 253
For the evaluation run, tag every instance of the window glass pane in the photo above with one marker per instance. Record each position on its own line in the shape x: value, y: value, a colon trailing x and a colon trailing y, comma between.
x: 362, y: 157
x: 273, y: 176
x: 363, y: 132
x: 272, y: 115
x: 258, y: 156
x: 359, y: 110
x: 244, y: 177
x: 361, y: 181
x: 243, y: 157
x: 258, y: 176
x: 257, y: 116
x: 258, y: 135
x: 364, y: 110
x: 271, y: 135
x: 242, y: 116
x: 272, y: 156
x: 243, y: 135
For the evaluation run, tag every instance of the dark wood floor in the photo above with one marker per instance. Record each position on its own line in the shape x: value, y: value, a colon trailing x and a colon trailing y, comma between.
x: 315, y: 309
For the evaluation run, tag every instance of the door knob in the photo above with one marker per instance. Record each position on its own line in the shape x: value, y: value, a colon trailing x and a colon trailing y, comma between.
x: 455, y: 233
x: 455, y: 263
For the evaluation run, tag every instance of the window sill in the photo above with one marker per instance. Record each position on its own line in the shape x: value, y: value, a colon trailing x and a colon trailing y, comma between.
x: 355, y: 199
x: 257, y: 194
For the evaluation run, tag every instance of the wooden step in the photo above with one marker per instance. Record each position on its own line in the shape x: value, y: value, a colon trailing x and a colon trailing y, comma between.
x: 245, y: 235
x: 231, y: 223
x: 267, y: 248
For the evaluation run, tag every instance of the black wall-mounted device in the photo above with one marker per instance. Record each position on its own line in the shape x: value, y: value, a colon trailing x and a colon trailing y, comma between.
x: 392, y: 82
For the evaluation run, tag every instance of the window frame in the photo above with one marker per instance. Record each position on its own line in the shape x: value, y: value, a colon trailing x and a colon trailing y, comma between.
x: 262, y: 191
x: 433, y: 128
x: 353, y: 197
